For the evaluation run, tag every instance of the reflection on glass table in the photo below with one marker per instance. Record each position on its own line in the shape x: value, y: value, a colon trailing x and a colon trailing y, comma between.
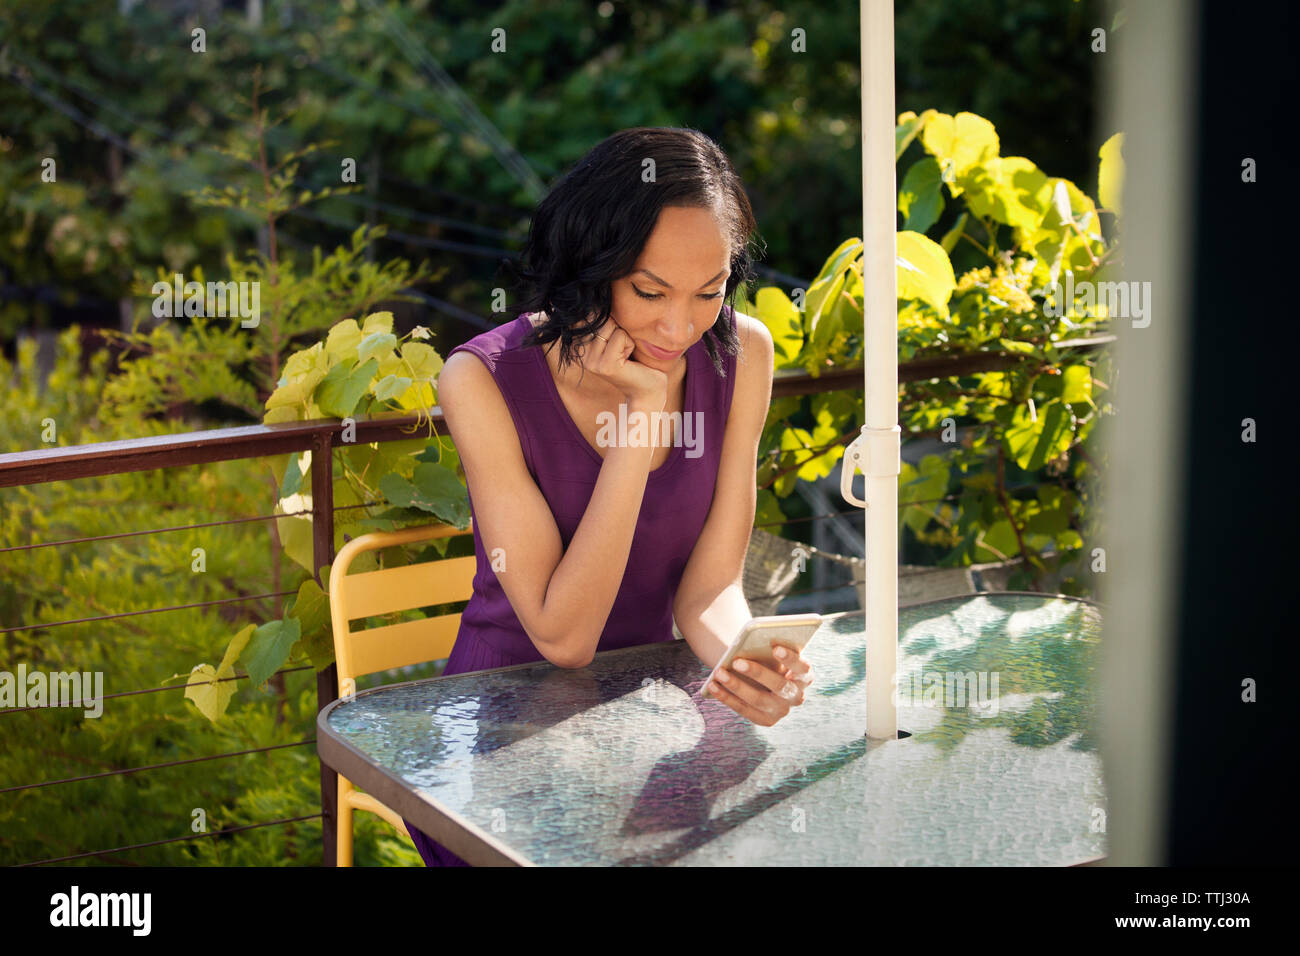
x: 623, y: 763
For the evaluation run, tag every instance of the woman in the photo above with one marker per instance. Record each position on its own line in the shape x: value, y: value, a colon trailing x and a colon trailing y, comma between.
x: 609, y: 434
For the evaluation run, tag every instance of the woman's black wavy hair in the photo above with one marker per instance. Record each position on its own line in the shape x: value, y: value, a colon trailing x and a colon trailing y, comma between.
x: 592, y: 225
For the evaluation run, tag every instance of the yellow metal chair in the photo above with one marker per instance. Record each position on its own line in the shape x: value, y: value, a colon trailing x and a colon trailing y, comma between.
x: 368, y: 593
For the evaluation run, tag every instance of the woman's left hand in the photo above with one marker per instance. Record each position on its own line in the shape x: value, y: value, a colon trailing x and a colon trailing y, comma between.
x: 758, y: 692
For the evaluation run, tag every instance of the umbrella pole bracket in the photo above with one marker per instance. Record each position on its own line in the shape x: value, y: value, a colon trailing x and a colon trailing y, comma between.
x: 876, y: 453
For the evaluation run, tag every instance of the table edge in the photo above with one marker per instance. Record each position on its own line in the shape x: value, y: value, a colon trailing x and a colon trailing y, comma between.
x: 460, y: 835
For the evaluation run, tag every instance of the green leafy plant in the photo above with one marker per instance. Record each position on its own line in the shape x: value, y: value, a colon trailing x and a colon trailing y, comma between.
x: 1018, y: 482
x: 358, y: 371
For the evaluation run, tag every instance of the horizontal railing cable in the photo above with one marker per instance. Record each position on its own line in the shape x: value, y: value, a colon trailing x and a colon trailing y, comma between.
x: 182, y: 527
x: 151, y: 690
x: 148, y: 610
x: 190, y: 836
x: 153, y: 766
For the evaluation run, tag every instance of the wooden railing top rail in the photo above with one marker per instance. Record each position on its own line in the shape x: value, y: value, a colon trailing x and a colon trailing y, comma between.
x: 252, y: 441
x: 193, y: 448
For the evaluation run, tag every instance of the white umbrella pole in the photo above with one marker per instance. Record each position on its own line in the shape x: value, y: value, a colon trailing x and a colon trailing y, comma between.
x: 875, y: 452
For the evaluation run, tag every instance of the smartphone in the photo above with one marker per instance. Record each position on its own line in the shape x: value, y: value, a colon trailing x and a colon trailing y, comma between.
x: 754, y: 642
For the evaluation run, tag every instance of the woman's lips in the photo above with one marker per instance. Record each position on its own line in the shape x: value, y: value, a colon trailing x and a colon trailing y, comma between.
x: 661, y: 354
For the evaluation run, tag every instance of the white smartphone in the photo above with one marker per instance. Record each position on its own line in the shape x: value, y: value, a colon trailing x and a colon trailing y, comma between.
x: 754, y: 642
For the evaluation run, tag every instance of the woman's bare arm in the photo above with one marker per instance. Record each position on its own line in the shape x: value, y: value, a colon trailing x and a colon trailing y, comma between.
x: 562, y: 598
x: 710, y: 606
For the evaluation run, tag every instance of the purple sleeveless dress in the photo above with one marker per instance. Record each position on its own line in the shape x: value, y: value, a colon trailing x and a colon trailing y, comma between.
x: 565, y: 466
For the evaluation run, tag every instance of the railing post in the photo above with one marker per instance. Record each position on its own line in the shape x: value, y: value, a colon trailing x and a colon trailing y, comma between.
x: 322, y: 529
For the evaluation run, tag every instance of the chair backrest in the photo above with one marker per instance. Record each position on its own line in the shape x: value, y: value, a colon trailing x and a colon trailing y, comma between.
x: 369, y: 593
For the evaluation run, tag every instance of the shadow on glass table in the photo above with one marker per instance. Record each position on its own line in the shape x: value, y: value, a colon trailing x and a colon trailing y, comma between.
x: 623, y: 763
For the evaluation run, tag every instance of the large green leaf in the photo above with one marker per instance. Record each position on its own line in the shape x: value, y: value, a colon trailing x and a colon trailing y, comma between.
x: 269, y: 648
x: 839, y: 410
x: 424, y: 360
x: 377, y: 322
x: 827, y: 430
x: 821, y: 300
x: 849, y: 304
x: 918, y: 489
x: 343, y: 339
x: 1032, y: 442
x: 924, y: 271
x: 297, y: 391
x: 296, y: 538
x: 959, y: 142
x: 311, y: 607
x: 390, y: 386
x: 304, y: 361
x: 909, y: 124
x: 211, y: 694
x: 433, y: 488
x: 312, y: 610
x: 211, y: 689
x: 778, y: 313
x: 795, y: 443
x: 342, y: 389
x: 1056, y: 241
x: 837, y: 262
x: 292, y: 477
x: 821, y: 317
x: 376, y: 344
x: 1002, y: 537
x: 920, y: 198
x: 1009, y: 190
x: 441, y: 485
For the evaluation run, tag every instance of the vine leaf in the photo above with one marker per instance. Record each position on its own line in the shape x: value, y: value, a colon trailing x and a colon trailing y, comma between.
x: 433, y: 488
x: 269, y: 648
x: 210, y: 697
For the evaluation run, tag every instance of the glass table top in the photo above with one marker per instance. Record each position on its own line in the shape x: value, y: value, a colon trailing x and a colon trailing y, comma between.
x: 622, y: 763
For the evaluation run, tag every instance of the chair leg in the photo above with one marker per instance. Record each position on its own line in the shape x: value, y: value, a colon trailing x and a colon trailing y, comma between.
x: 344, y: 855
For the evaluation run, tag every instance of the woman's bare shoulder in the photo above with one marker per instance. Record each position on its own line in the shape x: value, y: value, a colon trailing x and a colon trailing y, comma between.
x: 462, y: 368
x: 755, y: 341
x: 479, y: 421
x: 465, y: 383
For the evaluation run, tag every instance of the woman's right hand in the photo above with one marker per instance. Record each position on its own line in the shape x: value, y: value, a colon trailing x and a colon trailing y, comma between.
x: 609, y: 356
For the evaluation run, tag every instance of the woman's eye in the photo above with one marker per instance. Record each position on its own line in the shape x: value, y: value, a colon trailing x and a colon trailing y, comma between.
x: 644, y: 295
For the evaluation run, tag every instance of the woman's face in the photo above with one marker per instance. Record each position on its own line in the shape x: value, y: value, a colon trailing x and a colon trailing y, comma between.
x: 674, y: 292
